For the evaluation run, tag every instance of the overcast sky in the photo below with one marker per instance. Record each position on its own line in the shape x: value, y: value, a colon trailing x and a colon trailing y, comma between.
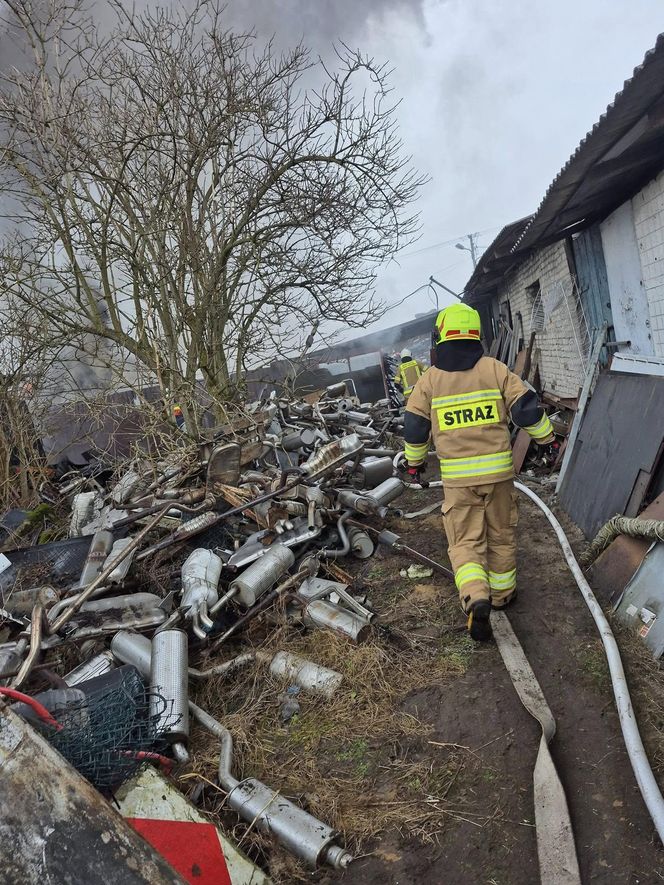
x: 496, y: 96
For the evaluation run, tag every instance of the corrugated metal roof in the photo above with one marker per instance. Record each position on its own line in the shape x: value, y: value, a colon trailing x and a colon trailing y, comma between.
x: 639, y: 93
x: 492, y: 262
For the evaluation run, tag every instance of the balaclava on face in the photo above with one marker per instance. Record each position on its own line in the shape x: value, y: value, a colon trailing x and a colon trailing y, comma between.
x: 457, y: 356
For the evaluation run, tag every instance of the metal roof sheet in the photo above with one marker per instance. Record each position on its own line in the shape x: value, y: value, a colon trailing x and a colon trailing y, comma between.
x: 492, y: 263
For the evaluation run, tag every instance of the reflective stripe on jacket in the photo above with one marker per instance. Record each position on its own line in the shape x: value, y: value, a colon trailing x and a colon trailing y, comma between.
x: 466, y: 414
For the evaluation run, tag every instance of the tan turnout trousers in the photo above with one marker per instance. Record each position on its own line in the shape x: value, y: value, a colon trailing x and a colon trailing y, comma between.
x: 480, y: 523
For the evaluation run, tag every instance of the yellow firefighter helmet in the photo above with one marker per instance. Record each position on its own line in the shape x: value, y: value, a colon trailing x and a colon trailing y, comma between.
x: 458, y: 322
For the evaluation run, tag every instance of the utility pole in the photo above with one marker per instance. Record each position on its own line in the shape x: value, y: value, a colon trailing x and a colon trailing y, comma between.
x: 473, y: 253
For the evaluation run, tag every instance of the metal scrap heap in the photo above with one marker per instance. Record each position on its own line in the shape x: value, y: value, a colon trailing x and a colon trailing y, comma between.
x: 166, y: 561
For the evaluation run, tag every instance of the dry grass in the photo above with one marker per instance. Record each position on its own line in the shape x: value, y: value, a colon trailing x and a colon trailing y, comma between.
x: 646, y: 683
x: 359, y: 761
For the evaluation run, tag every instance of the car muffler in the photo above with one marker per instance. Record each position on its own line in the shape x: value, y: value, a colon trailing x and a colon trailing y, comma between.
x: 169, y: 681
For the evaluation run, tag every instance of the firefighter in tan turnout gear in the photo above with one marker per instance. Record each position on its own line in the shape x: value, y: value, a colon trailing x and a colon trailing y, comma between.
x: 463, y: 402
x: 409, y: 373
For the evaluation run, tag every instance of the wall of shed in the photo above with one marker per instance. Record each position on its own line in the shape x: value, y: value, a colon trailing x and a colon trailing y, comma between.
x: 648, y: 208
x: 561, y: 340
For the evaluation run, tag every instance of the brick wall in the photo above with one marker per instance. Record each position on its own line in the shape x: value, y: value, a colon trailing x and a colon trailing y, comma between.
x: 560, y: 364
x: 648, y: 207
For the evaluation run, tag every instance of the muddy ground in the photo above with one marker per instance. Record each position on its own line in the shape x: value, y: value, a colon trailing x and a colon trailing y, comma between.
x: 425, y: 763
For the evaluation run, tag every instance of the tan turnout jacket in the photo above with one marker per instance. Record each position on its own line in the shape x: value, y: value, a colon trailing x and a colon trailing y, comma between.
x: 469, y: 412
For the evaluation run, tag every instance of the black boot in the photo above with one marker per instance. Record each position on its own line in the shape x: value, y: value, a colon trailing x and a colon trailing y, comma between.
x: 479, y: 625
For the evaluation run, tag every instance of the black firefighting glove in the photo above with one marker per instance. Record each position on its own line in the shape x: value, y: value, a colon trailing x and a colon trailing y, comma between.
x: 414, y: 474
x: 551, y: 452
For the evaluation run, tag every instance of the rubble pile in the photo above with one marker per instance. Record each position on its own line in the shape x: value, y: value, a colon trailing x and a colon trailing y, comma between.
x: 102, y: 632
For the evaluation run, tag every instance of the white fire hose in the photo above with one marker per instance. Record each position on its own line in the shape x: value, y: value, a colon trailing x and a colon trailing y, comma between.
x: 638, y: 758
x: 633, y: 743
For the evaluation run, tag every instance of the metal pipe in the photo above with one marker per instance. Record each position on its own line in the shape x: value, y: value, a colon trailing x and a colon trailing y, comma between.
x: 300, y: 832
x: 196, y: 626
x: 103, y: 575
x: 390, y: 539
x: 630, y: 729
x: 63, y: 604
x: 236, y: 663
x: 180, y: 753
x: 137, y: 622
x: 216, y: 518
x: 224, y: 600
x: 437, y: 484
x: 352, y: 603
x: 206, y: 621
x: 344, y: 550
x: 311, y: 514
x: 35, y: 647
x: 260, y: 606
x: 224, y: 775
x: 173, y: 619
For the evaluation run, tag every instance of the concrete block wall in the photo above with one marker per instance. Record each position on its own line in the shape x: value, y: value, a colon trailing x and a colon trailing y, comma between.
x: 648, y: 208
x: 560, y: 364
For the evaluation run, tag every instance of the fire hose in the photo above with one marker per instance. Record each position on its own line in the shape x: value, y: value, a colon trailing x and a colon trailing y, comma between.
x: 643, y: 773
x: 555, y: 838
x: 633, y: 743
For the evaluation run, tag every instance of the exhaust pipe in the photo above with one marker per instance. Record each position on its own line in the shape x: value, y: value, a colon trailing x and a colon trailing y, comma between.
x: 169, y: 679
x: 200, y: 577
x: 361, y: 545
x: 301, y: 833
x: 310, y: 677
x: 328, y: 616
x: 262, y: 575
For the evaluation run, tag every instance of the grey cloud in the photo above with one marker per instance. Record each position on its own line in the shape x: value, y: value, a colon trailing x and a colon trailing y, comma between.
x: 319, y: 22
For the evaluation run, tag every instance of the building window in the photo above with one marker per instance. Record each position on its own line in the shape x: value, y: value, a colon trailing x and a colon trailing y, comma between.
x: 536, y: 304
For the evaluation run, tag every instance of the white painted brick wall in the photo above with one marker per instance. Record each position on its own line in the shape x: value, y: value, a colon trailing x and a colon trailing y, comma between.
x: 560, y: 364
x: 648, y: 208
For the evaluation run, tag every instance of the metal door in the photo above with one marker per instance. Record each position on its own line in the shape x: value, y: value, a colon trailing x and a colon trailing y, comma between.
x: 592, y: 280
x: 629, y: 302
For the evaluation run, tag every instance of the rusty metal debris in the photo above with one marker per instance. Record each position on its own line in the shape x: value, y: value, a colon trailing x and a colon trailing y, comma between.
x: 173, y: 560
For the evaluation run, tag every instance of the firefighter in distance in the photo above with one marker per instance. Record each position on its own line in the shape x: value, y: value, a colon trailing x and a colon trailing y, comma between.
x: 463, y: 404
x: 409, y: 373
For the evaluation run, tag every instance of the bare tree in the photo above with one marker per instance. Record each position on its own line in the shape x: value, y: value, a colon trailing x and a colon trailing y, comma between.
x: 183, y: 197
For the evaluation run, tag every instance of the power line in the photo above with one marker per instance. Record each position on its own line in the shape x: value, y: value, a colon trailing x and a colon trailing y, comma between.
x: 449, y: 242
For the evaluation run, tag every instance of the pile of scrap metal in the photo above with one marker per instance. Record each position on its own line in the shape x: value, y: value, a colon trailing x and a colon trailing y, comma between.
x: 260, y: 518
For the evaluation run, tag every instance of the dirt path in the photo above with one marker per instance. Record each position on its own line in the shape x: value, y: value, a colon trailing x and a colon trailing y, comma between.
x: 490, y: 838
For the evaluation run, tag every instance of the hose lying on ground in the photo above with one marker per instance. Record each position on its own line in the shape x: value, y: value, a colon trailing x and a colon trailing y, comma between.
x: 651, y: 529
x: 633, y: 743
